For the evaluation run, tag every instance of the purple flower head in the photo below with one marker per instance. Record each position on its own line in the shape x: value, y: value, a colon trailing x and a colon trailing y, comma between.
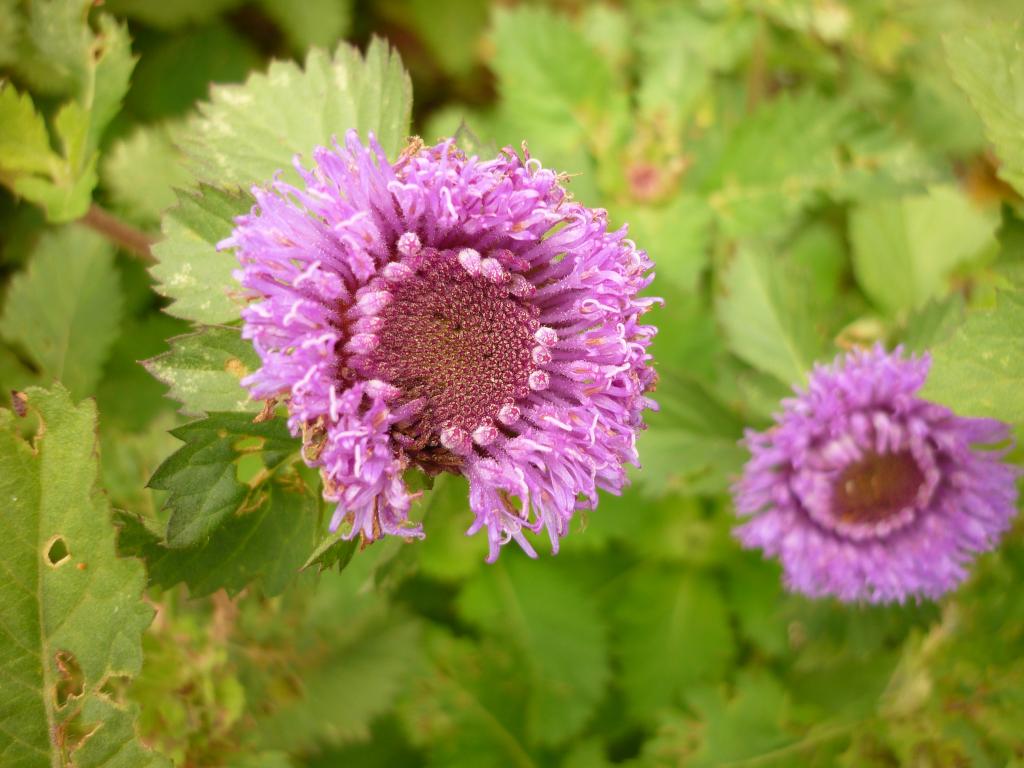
x: 865, y: 491
x: 453, y: 315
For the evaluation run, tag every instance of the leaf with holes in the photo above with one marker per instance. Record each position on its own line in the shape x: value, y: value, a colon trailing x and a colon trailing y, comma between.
x: 204, y: 477
x: 204, y: 371
x: 71, y: 613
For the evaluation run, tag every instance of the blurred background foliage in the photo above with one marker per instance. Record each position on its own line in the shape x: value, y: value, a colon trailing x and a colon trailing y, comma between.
x: 806, y: 174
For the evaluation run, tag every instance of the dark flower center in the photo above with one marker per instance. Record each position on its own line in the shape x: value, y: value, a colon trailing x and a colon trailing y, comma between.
x: 876, y: 488
x: 462, y: 342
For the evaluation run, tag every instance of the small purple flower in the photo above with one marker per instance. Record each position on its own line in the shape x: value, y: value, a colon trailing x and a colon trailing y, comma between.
x: 452, y: 315
x: 865, y: 491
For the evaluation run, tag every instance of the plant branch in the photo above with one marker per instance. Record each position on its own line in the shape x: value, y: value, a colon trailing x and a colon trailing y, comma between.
x: 133, y: 240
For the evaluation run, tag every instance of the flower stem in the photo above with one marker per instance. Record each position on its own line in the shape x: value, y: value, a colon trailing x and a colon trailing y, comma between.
x: 133, y: 240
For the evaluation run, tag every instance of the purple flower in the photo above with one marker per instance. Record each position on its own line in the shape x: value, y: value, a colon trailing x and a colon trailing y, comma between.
x: 865, y: 491
x: 452, y: 315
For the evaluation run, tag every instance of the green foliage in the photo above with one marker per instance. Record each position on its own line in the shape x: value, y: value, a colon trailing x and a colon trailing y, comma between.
x: 979, y: 371
x: 95, y: 68
x: 140, y: 173
x: 987, y: 63
x: 64, y: 310
x: 203, y: 371
x: 203, y: 476
x: 905, y: 253
x: 807, y: 176
x: 245, y: 134
x: 71, y: 612
x: 560, y: 637
x: 190, y: 269
x: 765, y: 320
x: 269, y: 542
x: 673, y: 632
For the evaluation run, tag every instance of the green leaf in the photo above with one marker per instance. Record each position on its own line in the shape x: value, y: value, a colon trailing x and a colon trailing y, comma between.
x: 10, y: 32
x: 127, y: 396
x: 765, y: 316
x: 109, y: 70
x: 905, y: 252
x: 558, y: 631
x: 64, y: 310
x: 343, y: 679
x: 246, y: 133
x: 202, y: 476
x: 204, y: 371
x: 71, y: 613
x: 140, y: 173
x: 673, y: 631
x: 980, y: 370
x: 692, y: 442
x: 268, y: 543
x: 218, y: 52
x: 675, y: 236
x: 98, y: 66
x: 547, y: 70
x: 749, y: 726
x: 332, y: 552
x: 756, y: 192
x: 558, y: 91
x: 468, y: 707
x: 179, y: 13
x: 679, y: 50
x: 314, y: 22
x: 24, y: 142
x: 988, y: 63
x: 190, y: 270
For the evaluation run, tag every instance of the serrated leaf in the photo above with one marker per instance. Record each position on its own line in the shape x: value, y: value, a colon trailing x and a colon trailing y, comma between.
x: 468, y: 707
x: 348, y: 677
x: 691, y: 444
x: 332, y: 552
x: 748, y: 726
x: 675, y: 235
x: 140, y: 173
x: 217, y: 52
x: 905, y: 251
x: 268, y: 543
x: 673, y: 631
x: 190, y: 270
x: 548, y: 73
x: 98, y: 67
x: 765, y: 316
x: 561, y: 638
x: 204, y: 371
x: 558, y: 91
x: 202, y: 477
x: 758, y: 193
x: 979, y: 371
x: 64, y: 310
x: 71, y: 613
x: 988, y: 63
x: 24, y: 142
x: 246, y: 133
